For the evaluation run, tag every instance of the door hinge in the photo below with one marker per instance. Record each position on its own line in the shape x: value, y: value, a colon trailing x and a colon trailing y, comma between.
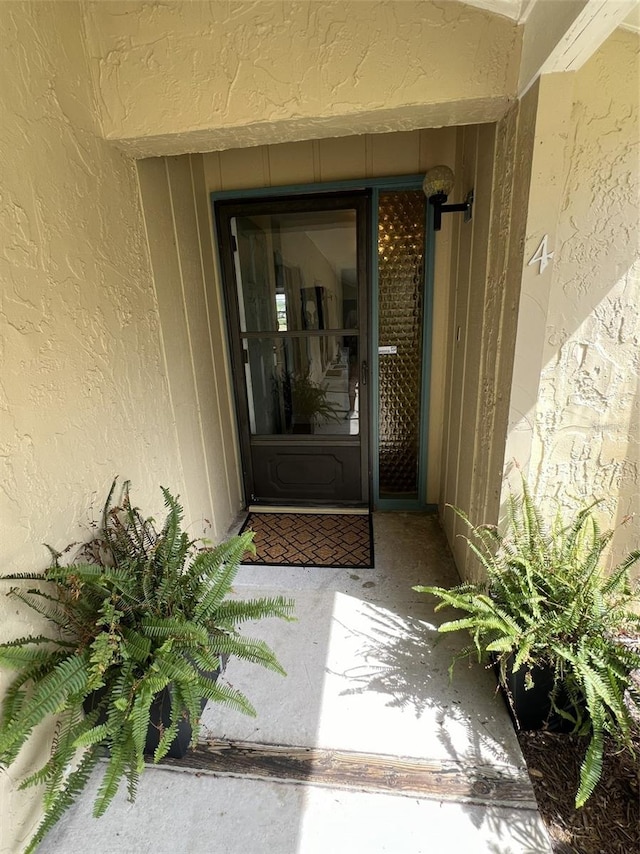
x: 364, y: 373
x: 234, y: 243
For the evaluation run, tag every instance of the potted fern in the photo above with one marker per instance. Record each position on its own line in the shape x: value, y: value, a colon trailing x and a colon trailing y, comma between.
x: 554, y: 624
x: 305, y: 401
x: 141, y: 623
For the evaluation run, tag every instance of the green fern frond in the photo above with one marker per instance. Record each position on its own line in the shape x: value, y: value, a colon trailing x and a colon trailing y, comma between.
x: 503, y: 644
x: 67, y: 678
x: 183, y: 631
x: 219, y: 566
x: 186, y: 701
x: 95, y: 735
x: 136, y: 646
x: 546, y: 601
x: 173, y: 668
x: 233, y: 612
x: 139, y: 610
x: 226, y: 695
x: 591, y: 769
x: 113, y: 774
x: 140, y: 720
x: 249, y: 650
x: 73, y: 786
x: 70, y: 725
x: 206, y: 658
x: 133, y: 771
x: 20, y: 654
x: 42, y: 604
x: 166, y: 740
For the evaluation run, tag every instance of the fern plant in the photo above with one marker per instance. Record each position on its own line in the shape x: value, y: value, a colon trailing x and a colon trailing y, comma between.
x: 305, y: 401
x: 548, y: 606
x: 139, y: 612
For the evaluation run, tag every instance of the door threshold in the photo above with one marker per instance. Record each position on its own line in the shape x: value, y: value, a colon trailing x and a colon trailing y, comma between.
x: 343, y: 511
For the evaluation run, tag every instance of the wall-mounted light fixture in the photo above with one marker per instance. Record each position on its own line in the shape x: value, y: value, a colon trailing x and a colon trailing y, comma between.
x: 437, y: 184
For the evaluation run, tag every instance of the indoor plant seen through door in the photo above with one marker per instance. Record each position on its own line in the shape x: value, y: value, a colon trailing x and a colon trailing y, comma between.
x: 140, y: 614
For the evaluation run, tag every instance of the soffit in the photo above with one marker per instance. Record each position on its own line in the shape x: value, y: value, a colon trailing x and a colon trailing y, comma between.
x: 632, y: 21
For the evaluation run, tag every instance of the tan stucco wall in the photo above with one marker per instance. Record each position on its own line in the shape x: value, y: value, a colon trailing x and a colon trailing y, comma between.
x: 559, y: 346
x: 83, y: 388
x: 586, y: 439
x: 201, y: 76
x: 378, y: 155
x: 544, y: 128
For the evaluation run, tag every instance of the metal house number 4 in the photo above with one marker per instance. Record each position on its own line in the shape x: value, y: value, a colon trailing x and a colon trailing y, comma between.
x: 542, y: 254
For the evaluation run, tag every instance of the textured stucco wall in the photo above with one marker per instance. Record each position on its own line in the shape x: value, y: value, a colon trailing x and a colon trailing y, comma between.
x: 367, y: 156
x: 543, y: 131
x: 586, y: 441
x: 202, y: 76
x: 561, y: 345
x: 83, y: 389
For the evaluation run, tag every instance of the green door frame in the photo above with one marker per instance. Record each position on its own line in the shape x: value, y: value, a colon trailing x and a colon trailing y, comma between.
x: 375, y: 185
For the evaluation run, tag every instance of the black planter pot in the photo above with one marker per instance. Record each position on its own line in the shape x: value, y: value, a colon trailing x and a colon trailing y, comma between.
x: 530, y: 709
x: 160, y: 718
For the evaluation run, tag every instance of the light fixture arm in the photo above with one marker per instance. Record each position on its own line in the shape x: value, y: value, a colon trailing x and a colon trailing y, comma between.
x: 439, y: 207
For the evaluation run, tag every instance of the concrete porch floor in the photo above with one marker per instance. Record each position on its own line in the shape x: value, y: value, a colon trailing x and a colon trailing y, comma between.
x: 365, y: 675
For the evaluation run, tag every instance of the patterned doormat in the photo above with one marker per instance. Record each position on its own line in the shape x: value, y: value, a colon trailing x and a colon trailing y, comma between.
x: 343, y: 541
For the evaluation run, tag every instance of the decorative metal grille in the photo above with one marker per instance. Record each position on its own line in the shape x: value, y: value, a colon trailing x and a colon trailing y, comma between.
x: 401, y: 237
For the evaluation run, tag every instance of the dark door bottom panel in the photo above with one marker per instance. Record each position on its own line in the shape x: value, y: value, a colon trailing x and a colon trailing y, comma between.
x: 303, y: 473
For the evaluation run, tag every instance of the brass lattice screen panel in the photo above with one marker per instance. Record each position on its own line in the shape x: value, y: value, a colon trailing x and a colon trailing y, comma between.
x: 401, y: 238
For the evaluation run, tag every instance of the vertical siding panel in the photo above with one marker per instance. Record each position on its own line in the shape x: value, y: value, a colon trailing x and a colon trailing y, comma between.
x: 242, y: 168
x: 491, y: 315
x: 437, y: 145
x: 316, y: 161
x: 471, y: 440
x: 396, y: 153
x: 196, y: 361
x: 213, y: 175
x: 455, y: 368
x: 225, y: 486
x: 342, y: 159
x: 158, y: 212
x: 505, y: 282
x: 466, y: 403
x: 368, y: 141
x: 291, y: 163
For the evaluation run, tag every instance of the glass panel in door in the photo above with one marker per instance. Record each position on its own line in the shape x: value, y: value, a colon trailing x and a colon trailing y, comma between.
x: 401, y: 240
x: 302, y: 385
x: 308, y: 383
x: 295, y: 274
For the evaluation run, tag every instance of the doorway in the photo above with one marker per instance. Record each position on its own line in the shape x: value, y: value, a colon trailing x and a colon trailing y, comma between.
x: 329, y: 306
x: 296, y: 274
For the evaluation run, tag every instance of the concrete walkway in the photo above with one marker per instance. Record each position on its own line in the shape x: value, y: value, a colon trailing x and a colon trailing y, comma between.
x: 367, y: 683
